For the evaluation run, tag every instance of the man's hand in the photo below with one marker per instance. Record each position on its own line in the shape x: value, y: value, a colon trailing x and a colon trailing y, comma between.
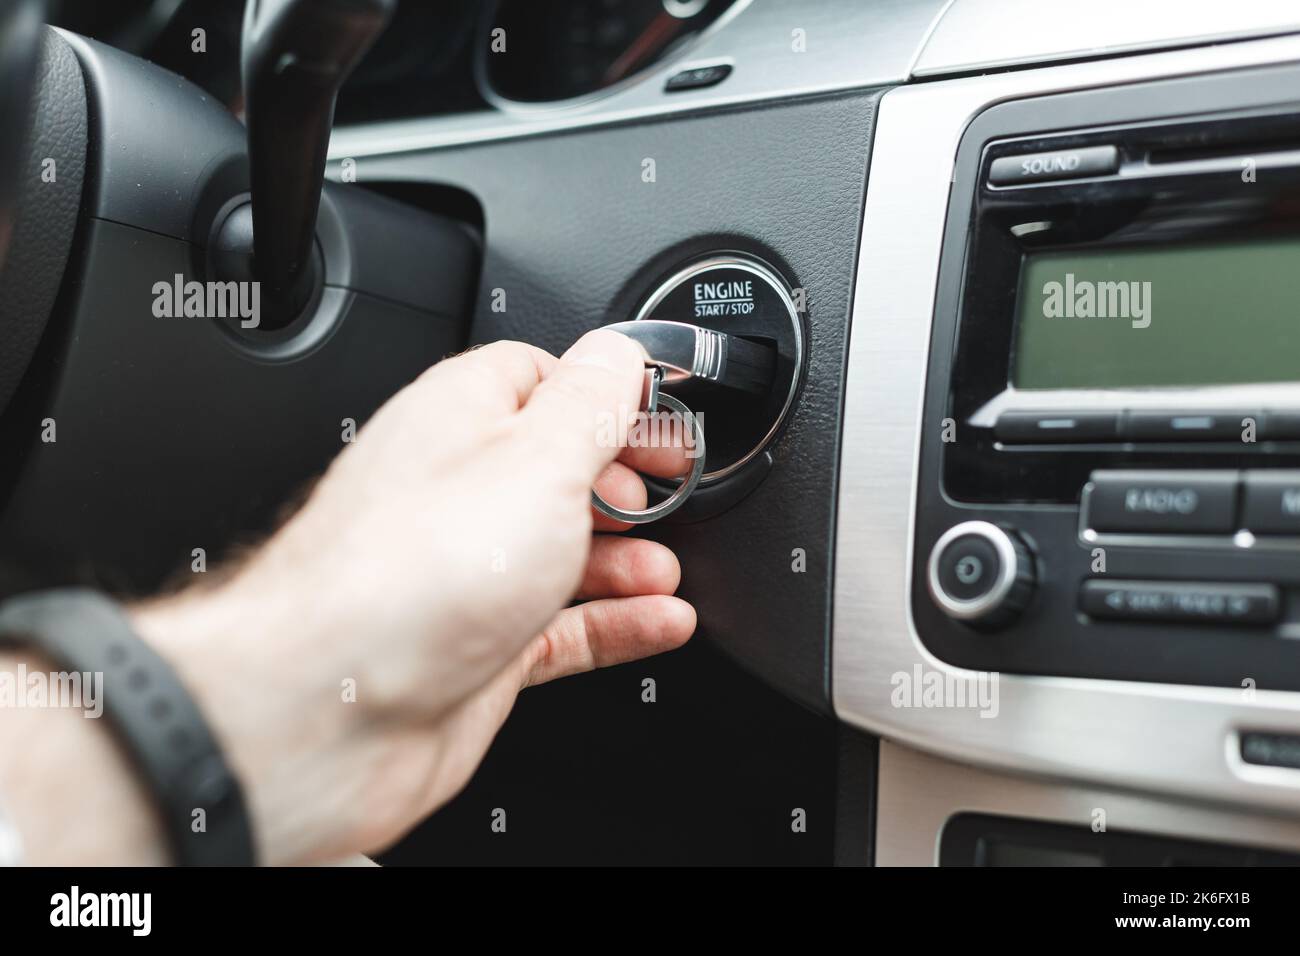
x: 427, y: 578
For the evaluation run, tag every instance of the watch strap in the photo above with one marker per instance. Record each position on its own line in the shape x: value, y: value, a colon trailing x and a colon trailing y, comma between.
x: 199, y: 798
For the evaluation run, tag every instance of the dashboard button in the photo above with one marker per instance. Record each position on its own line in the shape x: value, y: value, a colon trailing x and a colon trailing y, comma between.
x: 1033, y: 427
x: 1284, y: 426
x: 1162, y: 501
x: 1182, y: 601
x: 697, y: 78
x: 1271, y: 502
x: 980, y: 574
x: 1186, y: 426
x: 969, y: 568
x: 1057, y: 164
x: 1271, y: 750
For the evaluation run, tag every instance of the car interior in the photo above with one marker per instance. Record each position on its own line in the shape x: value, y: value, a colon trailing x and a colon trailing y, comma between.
x: 989, y: 311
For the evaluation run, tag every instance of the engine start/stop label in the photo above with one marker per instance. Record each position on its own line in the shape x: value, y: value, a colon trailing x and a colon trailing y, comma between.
x: 722, y: 298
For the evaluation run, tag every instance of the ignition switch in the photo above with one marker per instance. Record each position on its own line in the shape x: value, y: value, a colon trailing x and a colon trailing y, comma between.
x: 743, y: 403
x: 677, y: 353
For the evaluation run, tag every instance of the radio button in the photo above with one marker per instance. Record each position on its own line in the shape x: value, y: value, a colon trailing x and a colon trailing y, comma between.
x: 1057, y: 164
x: 1271, y: 502
x: 1187, y: 426
x: 1282, y: 425
x: 1182, y: 602
x: 1180, y: 502
x: 1035, y: 427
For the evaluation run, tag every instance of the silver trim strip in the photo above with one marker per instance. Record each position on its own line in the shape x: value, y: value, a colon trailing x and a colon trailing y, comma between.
x: 1123, y: 734
x: 989, y: 34
x: 919, y: 794
x: 847, y: 44
x: 934, y: 26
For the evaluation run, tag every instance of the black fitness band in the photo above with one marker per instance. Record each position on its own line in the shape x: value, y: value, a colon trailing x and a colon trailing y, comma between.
x: 153, y: 714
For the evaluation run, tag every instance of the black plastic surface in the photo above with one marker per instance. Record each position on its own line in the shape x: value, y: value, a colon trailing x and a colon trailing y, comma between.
x: 45, y: 210
x: 159, y: 142
x: 170, y: 433
x: 20, y: 52
x: 1036, y: 489
x: 169, y: 438
x: 397, y: 252
x: 856, y: 794
x: 710, y: 774
x: 576, y: 238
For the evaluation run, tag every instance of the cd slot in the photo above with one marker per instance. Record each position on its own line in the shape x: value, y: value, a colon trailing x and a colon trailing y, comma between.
x: 1237, y: 151
x: 1228, y: 160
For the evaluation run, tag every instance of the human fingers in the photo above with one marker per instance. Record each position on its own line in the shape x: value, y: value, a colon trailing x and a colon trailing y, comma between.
x: 625, y: 567
x: 606, y: 632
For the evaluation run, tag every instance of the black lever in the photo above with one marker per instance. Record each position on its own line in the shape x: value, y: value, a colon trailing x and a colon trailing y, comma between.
x: 295, y: 56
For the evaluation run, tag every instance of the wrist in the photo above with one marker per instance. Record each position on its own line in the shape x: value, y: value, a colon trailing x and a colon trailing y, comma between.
x: 235, y: 656
x: 47, y: 754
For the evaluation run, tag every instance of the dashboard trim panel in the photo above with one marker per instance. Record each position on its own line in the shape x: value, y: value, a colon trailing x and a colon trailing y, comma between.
x: 1000, y: 34
x: 850, y: 44
x: 1064, y: 727
x: 919, y: 794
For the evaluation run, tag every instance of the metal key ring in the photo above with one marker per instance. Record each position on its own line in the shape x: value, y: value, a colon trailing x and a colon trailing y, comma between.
x: 680, y: 493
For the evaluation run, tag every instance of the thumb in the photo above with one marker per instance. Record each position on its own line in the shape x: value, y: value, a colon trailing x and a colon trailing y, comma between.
x: 582, y: 410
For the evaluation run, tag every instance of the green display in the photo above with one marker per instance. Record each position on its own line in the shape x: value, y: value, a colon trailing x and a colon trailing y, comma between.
x: 1185, y: 315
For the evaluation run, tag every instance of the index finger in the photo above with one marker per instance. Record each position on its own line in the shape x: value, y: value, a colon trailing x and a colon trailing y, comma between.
x: 502, y: 374
x: 582, y: 411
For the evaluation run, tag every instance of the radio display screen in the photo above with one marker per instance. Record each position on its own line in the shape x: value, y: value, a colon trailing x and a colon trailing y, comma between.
x: 1149, y: 316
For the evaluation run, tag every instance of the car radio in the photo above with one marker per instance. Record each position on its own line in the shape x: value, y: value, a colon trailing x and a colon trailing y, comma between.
x: 1109, y: 474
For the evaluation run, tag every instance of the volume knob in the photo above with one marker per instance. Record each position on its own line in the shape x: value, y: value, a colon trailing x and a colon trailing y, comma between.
x: 981, y: 575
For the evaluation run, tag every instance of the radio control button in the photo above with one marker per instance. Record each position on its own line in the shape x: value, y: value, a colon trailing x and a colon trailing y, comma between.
x: 1035, y: 427
x: 1179, y: 502
x: 1281, y: 425
x: 1188, y: 426
x: 1057, y: 164
x: 1183, y: 601
x: 1271, y: 502
x: 980, y: 574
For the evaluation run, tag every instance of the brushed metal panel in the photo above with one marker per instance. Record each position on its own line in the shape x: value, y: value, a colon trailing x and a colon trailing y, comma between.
x: 993, y: 34
x: 918, y: 795
x: 1133, y: 735
x: 850, y: 44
